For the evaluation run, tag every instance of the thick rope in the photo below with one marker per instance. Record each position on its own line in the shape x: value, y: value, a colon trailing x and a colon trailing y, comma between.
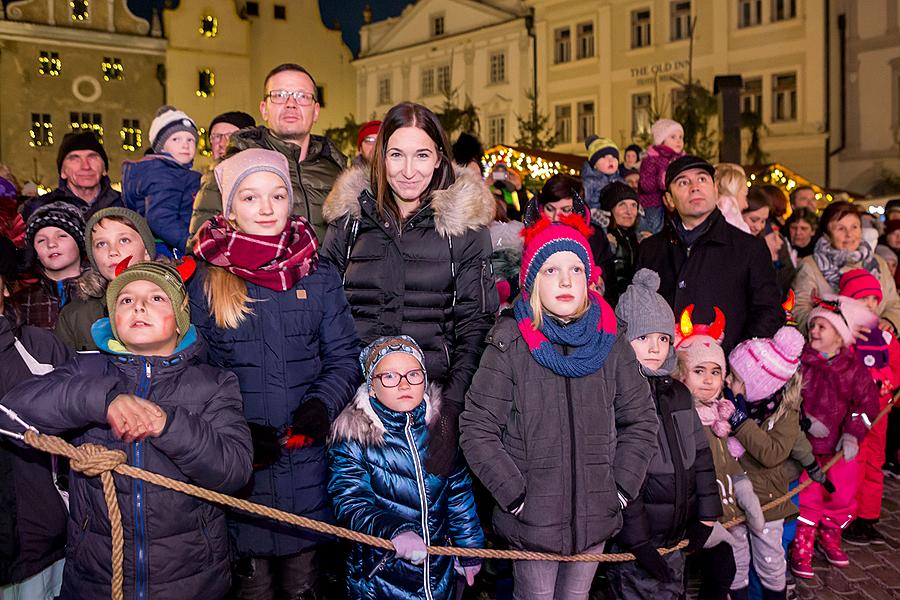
x: 92, y: 460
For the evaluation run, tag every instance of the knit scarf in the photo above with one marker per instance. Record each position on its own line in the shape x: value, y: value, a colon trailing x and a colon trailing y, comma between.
x: 715, y: 414
x: 591, y: 338
x: 830, y: 260
x: 276, y: 262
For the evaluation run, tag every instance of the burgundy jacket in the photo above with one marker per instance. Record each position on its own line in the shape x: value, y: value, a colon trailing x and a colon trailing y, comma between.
x: 837, y: 392
x: 653, y: 174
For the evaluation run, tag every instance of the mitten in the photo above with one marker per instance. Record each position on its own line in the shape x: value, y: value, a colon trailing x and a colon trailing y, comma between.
x: 443, y: 442
x: 718, y: 535
x: 740, y: 408
x: 814, y: 427
x: 697, y: 534
x: 266, y: 445
x: 311, y: 421
x: 649, y: 559
x: 819, y: 476
x: 410, y: 547
x: 850, y: 446
x: 749, y: 502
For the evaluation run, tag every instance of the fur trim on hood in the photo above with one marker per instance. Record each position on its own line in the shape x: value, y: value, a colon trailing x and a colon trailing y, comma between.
x: 90, y: 285
x: 466, y: 205
x: 359, y: 423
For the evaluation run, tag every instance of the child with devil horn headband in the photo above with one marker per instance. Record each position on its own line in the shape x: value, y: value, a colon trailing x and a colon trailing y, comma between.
x: 558, y: 375
x: 149, y: 395
x: 702, y: 369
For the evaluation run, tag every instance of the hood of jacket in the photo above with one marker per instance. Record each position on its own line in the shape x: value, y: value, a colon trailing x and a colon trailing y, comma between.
x: 190, y: 347
x: 262, y: 137
x: 359, y: 421
x: 466, y: 205
x: 90, y: 285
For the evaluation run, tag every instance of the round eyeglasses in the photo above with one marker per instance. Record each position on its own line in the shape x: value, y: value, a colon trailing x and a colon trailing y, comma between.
x: 390, y: 379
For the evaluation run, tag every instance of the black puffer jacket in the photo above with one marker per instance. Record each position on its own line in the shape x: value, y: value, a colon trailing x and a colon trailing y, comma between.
x: 681, y: 480
x: 32, y: 514
x: 176, y: 546
x: 432, y: 281
x: 565, y: 445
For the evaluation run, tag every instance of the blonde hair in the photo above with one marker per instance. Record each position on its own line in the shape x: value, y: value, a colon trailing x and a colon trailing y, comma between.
x: 227, y: 296
x: 729, y: 179
x: 538, y: 310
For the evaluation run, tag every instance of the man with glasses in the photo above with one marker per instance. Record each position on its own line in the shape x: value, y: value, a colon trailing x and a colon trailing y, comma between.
x: 221, y: 128
x: 289, y: 109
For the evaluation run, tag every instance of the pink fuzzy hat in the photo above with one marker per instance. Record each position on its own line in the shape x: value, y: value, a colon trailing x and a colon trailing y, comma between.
x: 662, y: 128
x: 766, y: 364
x: 845, y: 314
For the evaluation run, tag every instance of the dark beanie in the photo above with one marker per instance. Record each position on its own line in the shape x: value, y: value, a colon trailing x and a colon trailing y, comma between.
x: 239, y: 119
x: 616, y: 192
x: 61, y: 214
x: 634, y: 148
x: 466, y: 149
x: 83, y: 140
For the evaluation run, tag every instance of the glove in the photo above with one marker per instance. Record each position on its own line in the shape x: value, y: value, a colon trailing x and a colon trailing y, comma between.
x: 849, y: 445
x: 814, y: 427
x: 517, y: 505
x: 749, y: 502
x: 443, y: 442
x: 697, y: 533
x: 410, y: 547
x: 740, y: 409
x: 311, y: 421
x: 467, y: 570
x: 266, y: 445
x: 649, y: 559
x: 819, y: 476
x: 718, y: 535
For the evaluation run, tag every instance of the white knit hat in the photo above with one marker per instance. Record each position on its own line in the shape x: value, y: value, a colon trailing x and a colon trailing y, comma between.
x: 168, y: 122
x: 662, y: 128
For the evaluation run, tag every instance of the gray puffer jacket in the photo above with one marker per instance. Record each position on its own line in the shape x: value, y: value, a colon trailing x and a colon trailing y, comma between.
x: 564, y: 445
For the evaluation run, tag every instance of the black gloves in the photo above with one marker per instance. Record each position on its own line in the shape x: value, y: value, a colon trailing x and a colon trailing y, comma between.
x: 818, y: 475
x: 309, y: 425
x: 697, y: 535
x: 443, y: 441
x: 649, y: 559
x: 266, y: 445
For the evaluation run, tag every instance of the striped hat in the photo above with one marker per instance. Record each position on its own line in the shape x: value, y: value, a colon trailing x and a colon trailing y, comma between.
x: 765, y: 365
x: 859, y: 283
x: 60, y: 214
x: 167, y: 122
x: 545, y: 238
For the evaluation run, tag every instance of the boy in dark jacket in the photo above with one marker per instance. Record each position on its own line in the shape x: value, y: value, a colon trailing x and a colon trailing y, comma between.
x: 161, y: 186
x: 148, y: 395
x: 32, y: 512
x: 680, y: 490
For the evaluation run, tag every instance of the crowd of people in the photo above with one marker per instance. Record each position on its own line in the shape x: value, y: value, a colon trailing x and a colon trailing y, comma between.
x: 420, y: 348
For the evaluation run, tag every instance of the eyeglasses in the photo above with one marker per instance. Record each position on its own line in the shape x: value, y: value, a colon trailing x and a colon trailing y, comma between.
x: 390, y: 379
x: 215, y: 137
x: 300, y: 97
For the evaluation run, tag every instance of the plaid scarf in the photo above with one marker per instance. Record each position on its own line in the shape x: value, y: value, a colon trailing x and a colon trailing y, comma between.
x: 276, y: 262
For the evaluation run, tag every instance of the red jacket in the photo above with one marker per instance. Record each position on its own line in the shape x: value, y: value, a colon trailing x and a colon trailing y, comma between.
x: 838, y: 392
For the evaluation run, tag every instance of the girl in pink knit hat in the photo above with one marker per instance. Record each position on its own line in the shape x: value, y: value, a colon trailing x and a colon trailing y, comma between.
x: 668, y: 144
x: 879, y: 352
x: 840, y: 401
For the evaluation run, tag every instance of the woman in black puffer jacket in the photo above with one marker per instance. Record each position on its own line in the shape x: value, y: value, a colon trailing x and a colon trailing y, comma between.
x: 411, y: 240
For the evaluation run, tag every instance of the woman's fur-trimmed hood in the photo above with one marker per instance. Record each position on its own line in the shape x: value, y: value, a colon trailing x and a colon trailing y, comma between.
x: 359, y: 423
x: 466, y: 205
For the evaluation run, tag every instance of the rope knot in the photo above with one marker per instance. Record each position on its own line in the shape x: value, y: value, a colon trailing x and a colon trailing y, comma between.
x: 93, y: 460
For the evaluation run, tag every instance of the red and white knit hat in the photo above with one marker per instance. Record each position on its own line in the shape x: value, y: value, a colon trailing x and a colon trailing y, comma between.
x: 765, y: 365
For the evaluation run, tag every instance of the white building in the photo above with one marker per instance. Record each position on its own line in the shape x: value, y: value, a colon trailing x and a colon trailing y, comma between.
x: 479, y: 50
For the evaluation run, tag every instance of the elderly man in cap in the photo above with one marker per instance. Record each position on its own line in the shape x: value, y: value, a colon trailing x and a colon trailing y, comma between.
x: 705, y: 262
x: 82, y: 164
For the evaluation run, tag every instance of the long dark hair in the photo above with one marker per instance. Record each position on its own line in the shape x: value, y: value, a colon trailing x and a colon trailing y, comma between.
x: 409, y: 114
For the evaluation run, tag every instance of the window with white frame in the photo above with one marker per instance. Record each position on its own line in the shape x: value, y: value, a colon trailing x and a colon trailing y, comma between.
x: 442, y: 79
x: 437, y: 25
x: 784, y: 97
x: 585, y: 120
x: 563, y: 123
x: 782, y: 10
x: 751, y: 96
x: 428, y: 81
x: 384, y: 90
x: 640, y: 114
x: 496, y: 130
x: 749, y: 12
x: 562, y: 45
x: 680, y: 20
x: 585, y: 40
x: 498, y: 67
x: 640, y: 28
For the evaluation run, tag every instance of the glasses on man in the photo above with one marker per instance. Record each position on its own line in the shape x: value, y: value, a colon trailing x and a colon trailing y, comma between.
x: 391, y: 379
x: 300, y: 97
x: 215, y: 137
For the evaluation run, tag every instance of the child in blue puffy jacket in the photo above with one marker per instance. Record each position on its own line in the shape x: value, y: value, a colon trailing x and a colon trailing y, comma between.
x: 379, y: 484
x: 161, y: 186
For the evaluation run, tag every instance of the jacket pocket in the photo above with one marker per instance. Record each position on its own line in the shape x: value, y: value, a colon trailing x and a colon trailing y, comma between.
x: 204, y: 532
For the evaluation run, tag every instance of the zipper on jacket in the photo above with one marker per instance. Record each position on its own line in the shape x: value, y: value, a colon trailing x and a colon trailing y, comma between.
x: 139, y: 500
x: 423, y: 501
x: 481, y: 282
x: 573, y: 453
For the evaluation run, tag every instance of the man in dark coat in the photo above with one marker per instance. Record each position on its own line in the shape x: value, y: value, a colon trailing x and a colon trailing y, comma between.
x: 704, y: 261
x: 290, y: 108
x: 82, y: 164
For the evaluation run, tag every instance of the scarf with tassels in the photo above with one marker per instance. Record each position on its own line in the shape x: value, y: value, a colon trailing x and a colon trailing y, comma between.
x: 276, y: 262
x: 591, y: 338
